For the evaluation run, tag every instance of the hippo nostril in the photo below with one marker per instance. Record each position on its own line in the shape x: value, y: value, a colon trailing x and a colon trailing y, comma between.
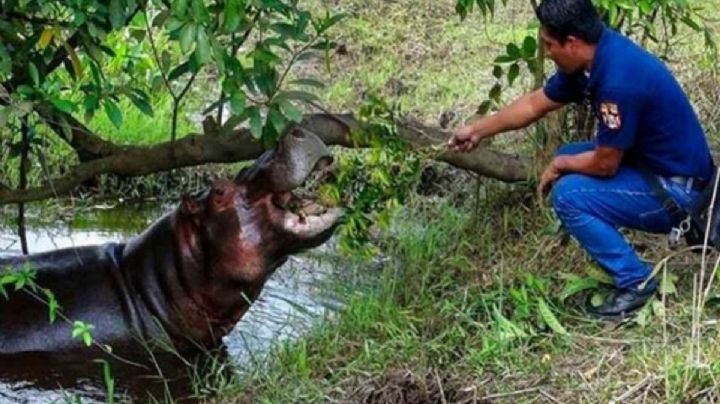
x: 282, y: 199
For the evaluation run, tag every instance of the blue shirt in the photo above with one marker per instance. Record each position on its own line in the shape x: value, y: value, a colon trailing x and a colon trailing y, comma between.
x: 640, y: 107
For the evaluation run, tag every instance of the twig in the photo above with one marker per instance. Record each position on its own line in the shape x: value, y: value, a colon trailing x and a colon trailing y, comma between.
x: 609, y: 340
x: 548, y: 396
x: 439, y: 383
x: 510, y: 394
x: 634, y: 389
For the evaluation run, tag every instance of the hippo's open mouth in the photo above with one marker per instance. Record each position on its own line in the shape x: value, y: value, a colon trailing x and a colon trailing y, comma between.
x: 303, y: 214
x: 300, y: 158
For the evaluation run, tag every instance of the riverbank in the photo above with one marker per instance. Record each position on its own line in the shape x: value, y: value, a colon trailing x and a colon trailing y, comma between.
x: 483, y: 308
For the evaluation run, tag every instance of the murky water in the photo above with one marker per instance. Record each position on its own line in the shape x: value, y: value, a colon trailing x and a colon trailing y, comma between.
x: 295, y: 297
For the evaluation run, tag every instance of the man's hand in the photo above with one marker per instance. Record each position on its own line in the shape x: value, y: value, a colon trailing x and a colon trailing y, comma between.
x: 465, y: 139
x: 548, y: 177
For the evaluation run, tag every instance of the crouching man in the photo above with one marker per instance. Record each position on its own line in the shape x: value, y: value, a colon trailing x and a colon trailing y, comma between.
x: 644, y: 120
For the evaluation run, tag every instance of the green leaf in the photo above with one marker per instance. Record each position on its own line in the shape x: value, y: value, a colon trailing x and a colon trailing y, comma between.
x: 117, y: 18
x: 495, y: 92
x: 549, y: 317
x: 53, y: 305
x: 484, y: 107
x: 142, y: 104
x: 290, y: 111
x: 24, y: 89
x: 308, y: 82
x: 200, y: 12
x: 504, y: 59
x: 270, y: 136
x: 277, y: 119
x: 161, y: 18
x: 109, y: 382
x: 337, y: 18
x: 113, y: 113
x: 529, y: 47
x: 179, y: 7
x: 256, y: 125
x: 237, y: 102
x: 261, y: 54
x: 642, y: 318
x: 77, y: 329
x: 179, y: 71
x: 299, y: 95
x: 285, y: 30
x: 188, y: 35
x: 5, y: 61
x: 667, y: 285
x: 578, y: 285
x: 87, y: 338
x: 34, y: 74
x: 63, y: 105
x: 202, y: 51
x: 234, y: 14
x: 497, y: 71
x: 83, y: 330
x: 513, y: 73
x: 506, y: 328
x: 513, y: 51
x: 691, y: 23
x: 173, y: 25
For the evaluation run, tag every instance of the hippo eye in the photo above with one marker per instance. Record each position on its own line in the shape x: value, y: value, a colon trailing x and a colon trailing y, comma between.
x: 219, y: 192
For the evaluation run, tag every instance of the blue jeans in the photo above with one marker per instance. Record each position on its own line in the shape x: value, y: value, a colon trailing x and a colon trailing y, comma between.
x: 593, y: 208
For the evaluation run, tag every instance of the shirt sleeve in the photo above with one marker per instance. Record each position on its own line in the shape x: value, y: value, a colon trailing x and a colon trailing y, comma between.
x: 563, y: 88
x: 618, y: 119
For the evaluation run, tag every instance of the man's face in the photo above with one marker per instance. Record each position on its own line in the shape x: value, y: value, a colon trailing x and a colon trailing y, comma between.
x: 565, y: 55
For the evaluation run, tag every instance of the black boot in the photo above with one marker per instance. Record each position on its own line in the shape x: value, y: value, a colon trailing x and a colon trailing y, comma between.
x: 622, y: 303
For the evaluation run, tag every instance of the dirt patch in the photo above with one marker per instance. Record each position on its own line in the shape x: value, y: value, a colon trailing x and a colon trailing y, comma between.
x: 400, y: 386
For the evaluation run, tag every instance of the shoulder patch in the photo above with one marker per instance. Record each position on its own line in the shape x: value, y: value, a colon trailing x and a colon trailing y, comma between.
x: 610, y: 114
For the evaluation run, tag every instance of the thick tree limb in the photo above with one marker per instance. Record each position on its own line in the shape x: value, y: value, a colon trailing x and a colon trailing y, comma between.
x: 335, y: 130
x: 196, y: 149
x: 87, y: 144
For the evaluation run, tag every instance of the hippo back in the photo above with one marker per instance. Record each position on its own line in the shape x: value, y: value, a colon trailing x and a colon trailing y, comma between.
x: 88, y: 287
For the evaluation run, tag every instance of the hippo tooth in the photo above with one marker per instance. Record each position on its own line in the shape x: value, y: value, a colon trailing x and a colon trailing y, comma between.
x: 310, y: 226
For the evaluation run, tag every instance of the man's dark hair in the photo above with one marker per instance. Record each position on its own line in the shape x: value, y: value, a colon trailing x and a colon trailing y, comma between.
x: 562, y: 18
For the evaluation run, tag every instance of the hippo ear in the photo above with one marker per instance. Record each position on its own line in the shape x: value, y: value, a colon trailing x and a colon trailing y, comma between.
x: 189, y: 206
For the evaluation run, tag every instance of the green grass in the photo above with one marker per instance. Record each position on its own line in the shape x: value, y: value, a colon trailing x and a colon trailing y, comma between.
x: 448, y: 307
x: 456, y: 312
x: 140, y: 129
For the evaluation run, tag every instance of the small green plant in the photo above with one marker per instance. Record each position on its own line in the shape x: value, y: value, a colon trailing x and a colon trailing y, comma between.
x: 83, y: 331
x: 109, y: 382
x: 24, y: 280
x: 370, y: 185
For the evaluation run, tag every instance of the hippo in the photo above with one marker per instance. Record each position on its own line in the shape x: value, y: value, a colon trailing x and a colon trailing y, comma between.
x: 190, y: 276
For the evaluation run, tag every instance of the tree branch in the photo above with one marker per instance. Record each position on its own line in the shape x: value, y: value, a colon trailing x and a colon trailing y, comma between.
x: 197, y: 149
x: 88, y: 145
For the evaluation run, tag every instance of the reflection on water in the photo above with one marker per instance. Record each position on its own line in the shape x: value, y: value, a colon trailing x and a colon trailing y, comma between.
x: 294, y: 298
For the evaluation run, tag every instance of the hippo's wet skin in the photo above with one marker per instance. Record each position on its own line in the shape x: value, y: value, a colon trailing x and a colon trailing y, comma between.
x: 190, y: 276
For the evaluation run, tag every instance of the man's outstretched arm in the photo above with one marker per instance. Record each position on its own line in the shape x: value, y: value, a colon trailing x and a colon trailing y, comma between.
x: 519, y: 114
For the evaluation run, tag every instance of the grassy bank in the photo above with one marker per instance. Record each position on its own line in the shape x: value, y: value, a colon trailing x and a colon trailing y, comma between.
x: 480, y: 298
x: 460, y: 314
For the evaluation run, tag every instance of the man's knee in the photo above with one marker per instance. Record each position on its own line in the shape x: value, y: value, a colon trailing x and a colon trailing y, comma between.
x: 564, y: 193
